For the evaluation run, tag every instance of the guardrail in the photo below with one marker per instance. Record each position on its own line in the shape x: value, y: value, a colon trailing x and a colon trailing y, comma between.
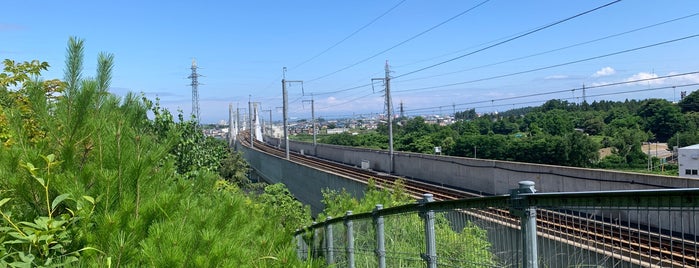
x: 640, y: 228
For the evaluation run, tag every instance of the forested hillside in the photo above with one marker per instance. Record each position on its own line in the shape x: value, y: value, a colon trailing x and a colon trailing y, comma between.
x: 87, y: 179
x: 557, y: 132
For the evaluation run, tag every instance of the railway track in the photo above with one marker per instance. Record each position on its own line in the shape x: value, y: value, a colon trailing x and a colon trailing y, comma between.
x: 413, y: 187
x: 599, y: 236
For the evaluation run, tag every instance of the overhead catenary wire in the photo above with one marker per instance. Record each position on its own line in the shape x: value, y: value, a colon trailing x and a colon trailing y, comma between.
x: 509, y: 39
x: 492, y: 101
x: 497, y: 102
x: 528, y: 71
x: 553, y: 66
x: 553, y: 50
x: 464, y: 12
x: 531, y: 70
x: 596, y: 95
x: 343, y: 103
x: 339, y: 42
x: 350, y: 35
x: 422, y: 111
x: 402, y: 42
x: 513, y: 59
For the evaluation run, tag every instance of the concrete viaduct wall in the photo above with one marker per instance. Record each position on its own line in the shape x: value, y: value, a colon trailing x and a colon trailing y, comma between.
x: 303, y: 182
x: 490, y: 176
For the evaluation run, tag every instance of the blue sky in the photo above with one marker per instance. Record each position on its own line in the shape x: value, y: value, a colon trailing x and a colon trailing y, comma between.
x: 242, y: 46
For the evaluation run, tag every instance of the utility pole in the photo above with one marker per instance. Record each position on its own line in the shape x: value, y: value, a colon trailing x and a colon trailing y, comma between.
x: 252, y: 139
x: 230, y: 125
x: 650, y: 159
x: 279, y: 144
x: 253, y: 121
x: 271, y: 123
x: 313, y: 121
x: 237, y: 117
x: 269, y: 127
x: 195, y: 90
x: 286, y: 108
x: 387, y: 84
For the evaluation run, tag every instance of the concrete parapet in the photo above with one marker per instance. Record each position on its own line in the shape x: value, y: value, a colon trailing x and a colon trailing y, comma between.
x: 493, y: 177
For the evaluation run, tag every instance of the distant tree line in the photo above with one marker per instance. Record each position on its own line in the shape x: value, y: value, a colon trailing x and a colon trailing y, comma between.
x: 557, y: 132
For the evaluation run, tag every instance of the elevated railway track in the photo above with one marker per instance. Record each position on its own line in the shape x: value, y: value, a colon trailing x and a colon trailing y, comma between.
x: 595, y: 234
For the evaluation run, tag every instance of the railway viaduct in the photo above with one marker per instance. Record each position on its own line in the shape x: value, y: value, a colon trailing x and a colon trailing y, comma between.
x: 481, y: 176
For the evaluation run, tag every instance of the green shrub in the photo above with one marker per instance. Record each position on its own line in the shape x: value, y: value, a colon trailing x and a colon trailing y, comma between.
x: 116, y: 189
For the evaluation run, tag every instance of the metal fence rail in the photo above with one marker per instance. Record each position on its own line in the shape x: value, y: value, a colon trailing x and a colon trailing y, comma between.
x: 648, y: 228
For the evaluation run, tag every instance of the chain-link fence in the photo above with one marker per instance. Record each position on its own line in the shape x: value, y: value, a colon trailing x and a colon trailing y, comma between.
x: 648, y: 228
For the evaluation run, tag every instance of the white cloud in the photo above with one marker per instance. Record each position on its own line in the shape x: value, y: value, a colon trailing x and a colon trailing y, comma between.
x: 554, y: 77
x: 331, y: 100
x: 644, y: 76
x: 6, y: 27
x: 690, y: 78
x: 606, y: 71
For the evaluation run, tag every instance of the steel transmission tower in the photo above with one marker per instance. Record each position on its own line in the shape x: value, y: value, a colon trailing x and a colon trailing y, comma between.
x: 195, y: 90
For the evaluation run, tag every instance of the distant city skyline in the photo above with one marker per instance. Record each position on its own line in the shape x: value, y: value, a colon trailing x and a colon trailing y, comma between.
x: 490, y: 55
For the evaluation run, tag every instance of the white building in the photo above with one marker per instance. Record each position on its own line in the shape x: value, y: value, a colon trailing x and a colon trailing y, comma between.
x: 337, y: 130
x: 689, y: 161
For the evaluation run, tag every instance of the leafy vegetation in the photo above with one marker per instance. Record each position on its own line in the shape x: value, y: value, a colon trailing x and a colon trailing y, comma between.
x: 87, y: 179
x: 557, y: 132
x: 404, y: 233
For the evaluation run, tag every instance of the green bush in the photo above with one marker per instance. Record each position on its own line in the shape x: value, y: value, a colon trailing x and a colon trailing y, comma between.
x: 87, y: 179
x: 405, y: 233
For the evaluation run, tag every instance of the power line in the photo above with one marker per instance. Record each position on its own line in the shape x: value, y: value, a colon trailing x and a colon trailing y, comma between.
x: 491, y: 101
x: 342, y: 90
x: 598, y: 95
x: 510, y: 39
x: 422, y: 110
x: 350, y: 101
x: 555, y: 50
x: 555, y: 65
x: 514, y: 59
x: 403, y: 42
x: 350, y: 36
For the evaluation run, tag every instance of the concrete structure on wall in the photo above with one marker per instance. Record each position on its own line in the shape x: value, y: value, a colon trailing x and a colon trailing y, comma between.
x: 689, y: 161
x: 490, y: 177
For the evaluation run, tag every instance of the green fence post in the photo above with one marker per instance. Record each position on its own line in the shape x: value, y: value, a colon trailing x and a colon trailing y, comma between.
x: 314, y: 250
x: 350, y: 240
x: 300, y: 247
x: 329, y: 254
x: 380, y: 240
x: 430, y: 255
x: 519, y: 206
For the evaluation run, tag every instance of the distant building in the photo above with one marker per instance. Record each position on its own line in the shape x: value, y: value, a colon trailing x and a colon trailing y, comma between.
x: 688, y: 158
x: 337, y: 130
